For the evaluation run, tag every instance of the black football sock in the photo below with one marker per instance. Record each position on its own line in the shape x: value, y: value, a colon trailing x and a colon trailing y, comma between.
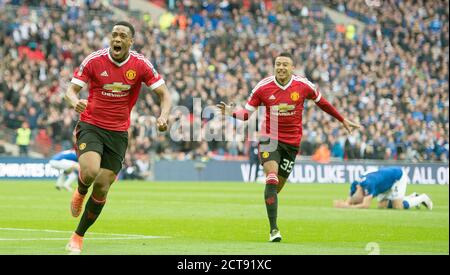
x: 82, y: 188
x: 90, y: 214
x: 271, y: 199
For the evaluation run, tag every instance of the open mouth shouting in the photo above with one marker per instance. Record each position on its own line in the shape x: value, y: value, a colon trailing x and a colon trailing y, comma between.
x: 282, y: 73
x: 117, y: 50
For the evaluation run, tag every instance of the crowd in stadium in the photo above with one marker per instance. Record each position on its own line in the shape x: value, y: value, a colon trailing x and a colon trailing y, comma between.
x: 392, y: 76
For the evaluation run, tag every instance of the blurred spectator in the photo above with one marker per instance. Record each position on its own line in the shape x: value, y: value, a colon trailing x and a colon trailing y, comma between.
x: 166, y: 20
x: 322, y: 154
x: 44, y: 142
x: 2, y: 147
x: 337, y: 150
x: 253, y: 160
x: 23, y: 139
x: 31, y: 52
x: 130, y: 169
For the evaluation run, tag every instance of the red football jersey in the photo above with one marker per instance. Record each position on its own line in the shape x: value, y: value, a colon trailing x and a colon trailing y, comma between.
x: 113, y: 87
x: 284, y: 103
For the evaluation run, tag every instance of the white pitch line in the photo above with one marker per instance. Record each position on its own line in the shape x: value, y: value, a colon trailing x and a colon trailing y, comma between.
x: 65, y: 239
x: 123, y: 236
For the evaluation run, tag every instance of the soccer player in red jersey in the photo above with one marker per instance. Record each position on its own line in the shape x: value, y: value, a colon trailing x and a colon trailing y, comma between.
x: 114, y: 76
x: 283, y: 96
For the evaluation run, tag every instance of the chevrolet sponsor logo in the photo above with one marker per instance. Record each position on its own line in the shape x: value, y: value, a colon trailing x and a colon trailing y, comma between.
x: 116, y: 87
x: 283, y: 108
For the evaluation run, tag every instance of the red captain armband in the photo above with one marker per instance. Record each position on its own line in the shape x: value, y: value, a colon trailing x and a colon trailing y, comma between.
x: 242, y: 114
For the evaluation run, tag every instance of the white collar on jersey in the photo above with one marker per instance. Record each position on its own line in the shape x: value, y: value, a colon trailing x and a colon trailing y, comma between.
x: 285, y: 86
x: 115, y: 62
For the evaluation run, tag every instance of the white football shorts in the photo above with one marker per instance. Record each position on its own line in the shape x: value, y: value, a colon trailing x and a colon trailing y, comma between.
x: 63, y: 164
x: 397, y: 191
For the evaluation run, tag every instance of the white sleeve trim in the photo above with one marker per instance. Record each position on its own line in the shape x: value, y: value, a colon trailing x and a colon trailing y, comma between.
x: 318, y: 98
x: 78, y: 82
x: 249, y: 107
x: 157, y: 84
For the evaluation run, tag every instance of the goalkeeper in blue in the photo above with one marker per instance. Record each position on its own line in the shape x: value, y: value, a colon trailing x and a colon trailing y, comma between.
x: 388, y: 185
x: 67, y: 164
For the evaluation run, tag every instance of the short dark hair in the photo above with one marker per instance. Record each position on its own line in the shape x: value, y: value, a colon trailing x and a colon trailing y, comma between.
x: 126, y: 24
x: 284, y: 54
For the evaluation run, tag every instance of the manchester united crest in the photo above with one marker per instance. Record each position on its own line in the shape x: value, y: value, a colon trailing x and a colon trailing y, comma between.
x: 265, y: 155
x: 295, y: 96
x: 130, y: 74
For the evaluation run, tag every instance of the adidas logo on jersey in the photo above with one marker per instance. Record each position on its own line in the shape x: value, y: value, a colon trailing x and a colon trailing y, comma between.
x: 272, y: 97
x: 104, y: 73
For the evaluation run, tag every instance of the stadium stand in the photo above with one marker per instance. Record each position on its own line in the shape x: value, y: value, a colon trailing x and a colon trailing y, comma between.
x: 391, y: 76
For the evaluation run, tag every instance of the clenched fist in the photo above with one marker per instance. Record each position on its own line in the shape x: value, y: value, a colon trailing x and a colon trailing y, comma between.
x: 161, y: 123
x: 81, y: 105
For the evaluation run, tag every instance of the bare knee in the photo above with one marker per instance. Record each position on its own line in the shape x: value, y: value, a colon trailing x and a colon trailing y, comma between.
x: 101, y: 189
x: 103, y: 182
x: 88, y: 174
x: 89, y: 167
x: 271, y: 167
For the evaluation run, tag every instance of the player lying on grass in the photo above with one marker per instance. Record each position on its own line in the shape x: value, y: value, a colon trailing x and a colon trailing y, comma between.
x: 389, y: 186
x: 67, y: 164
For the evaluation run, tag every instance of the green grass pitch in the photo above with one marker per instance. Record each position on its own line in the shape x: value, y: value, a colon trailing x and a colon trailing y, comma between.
x: 218, y: 218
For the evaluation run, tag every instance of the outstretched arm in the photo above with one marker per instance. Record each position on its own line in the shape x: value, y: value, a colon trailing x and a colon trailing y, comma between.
x: 228, y: 110
x: 328, y: 108
x: 346, y: 204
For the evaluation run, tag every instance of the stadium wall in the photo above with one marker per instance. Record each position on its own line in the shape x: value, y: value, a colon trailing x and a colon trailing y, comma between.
x: 26, y: 168
x: 303, y: 172
x: 213, y: 170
